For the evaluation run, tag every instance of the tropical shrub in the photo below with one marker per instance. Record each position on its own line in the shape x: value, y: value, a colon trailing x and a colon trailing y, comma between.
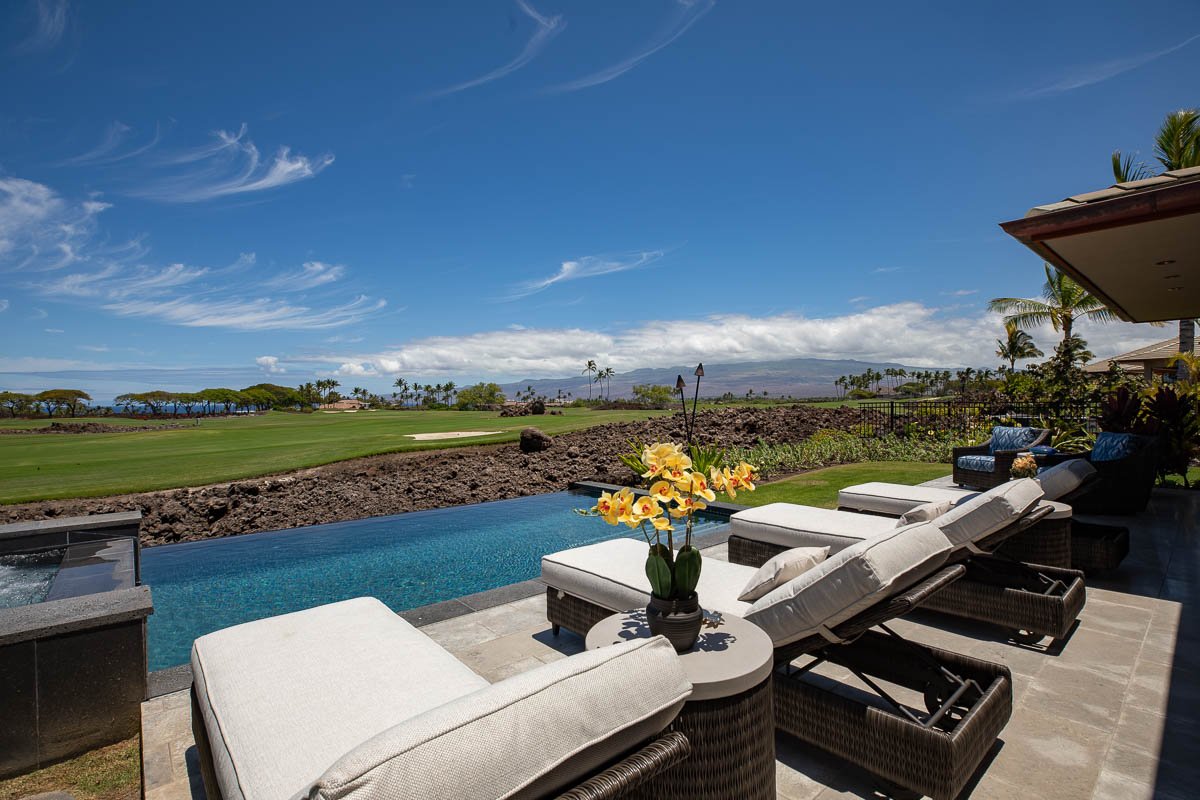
x: 828, y: 447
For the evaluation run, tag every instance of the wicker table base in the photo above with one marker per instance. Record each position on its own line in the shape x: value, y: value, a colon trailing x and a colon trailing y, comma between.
x: 733, y: 750
x: 1097, y: 548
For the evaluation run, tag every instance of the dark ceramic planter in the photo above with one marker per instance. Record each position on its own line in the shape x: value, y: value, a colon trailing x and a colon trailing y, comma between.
x: 678, y: 620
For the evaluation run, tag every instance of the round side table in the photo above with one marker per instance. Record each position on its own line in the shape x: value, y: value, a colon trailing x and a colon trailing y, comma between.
x: 729, y: 718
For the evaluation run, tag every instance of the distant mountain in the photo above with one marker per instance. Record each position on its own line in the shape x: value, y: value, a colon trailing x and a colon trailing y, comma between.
x: 798, y: 377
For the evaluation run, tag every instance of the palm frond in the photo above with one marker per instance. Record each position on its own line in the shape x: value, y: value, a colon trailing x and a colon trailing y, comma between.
x: 1124, y: 170
x: 1177, y: 144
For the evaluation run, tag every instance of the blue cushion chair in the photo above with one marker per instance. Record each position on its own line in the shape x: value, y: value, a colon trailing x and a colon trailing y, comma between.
x: 1126, y: 468
x: 988, y: 465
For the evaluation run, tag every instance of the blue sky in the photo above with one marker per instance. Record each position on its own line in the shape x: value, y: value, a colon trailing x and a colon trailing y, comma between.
x: 222, y: 193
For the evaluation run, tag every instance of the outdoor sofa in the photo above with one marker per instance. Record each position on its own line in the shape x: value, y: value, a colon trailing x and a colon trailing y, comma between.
x: 830, y: 613
x: 1091, y: 547
x: 348, y: 700
x: 1031, y: 601
x: 986, y: 465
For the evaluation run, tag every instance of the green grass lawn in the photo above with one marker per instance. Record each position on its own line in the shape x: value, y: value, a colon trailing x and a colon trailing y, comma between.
x: 50, y: 466
x: 820, y: 487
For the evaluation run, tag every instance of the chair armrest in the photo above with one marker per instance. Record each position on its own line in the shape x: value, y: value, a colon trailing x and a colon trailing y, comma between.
x: 1054, y: 459
x: 634, y: 770
x: 972, y: 450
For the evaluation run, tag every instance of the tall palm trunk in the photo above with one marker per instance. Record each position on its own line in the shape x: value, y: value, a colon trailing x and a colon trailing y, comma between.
x: 1187, y: 344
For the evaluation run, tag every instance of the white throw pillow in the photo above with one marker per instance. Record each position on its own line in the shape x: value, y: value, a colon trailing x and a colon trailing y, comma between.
x: 925, y: 512
x: 780, y: 569
x: 1062, y: 479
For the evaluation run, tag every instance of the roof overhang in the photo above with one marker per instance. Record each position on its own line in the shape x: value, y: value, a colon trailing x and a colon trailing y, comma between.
x: 1135, y: 246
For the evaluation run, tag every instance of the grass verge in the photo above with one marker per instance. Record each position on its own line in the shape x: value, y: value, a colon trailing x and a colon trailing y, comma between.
x: 110, y: 773
x: 820, y: 487
x: 53, y: 466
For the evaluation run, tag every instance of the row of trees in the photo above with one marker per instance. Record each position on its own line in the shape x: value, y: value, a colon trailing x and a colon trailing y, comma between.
x: 50, y: 402
x: 208, y: 402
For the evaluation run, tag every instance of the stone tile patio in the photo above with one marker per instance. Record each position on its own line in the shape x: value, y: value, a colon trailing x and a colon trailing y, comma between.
x: 1112, y: 712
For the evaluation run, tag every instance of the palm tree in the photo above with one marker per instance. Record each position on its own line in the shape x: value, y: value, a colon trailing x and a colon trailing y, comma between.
x: 1016, y: 345
x: 590, y: 369
x: 1063, y: 301
x: 607, y: 373
x: 1177, y: 146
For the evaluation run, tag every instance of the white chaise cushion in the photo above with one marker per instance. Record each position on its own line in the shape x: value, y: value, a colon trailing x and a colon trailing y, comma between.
x: 528, y: 736
x: 924, y: 513
x: 612, y: 574
x: 791, y: 525
x: 848, y: 582
x: 781, y: 568
x: 894, y: 499
x: 283, y: 698
x: 1062, y: 479
x: 979, y: 517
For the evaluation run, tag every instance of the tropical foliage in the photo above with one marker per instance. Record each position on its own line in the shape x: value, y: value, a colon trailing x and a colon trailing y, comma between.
x: 1017, y: 345
x: 1063, y: 303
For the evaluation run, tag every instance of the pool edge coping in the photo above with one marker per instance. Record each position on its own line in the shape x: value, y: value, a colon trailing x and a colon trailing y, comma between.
x: 178, y: 678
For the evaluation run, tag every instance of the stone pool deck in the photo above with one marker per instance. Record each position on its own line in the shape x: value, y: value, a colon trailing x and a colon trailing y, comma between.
x: 1111, y: 712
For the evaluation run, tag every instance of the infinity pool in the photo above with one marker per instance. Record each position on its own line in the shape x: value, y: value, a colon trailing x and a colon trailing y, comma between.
x: 406, y: 560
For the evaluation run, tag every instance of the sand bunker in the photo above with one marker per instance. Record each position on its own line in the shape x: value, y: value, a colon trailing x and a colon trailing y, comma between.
x: 425, y: 437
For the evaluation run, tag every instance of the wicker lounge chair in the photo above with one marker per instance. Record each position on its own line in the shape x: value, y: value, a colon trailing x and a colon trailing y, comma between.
x: 837, y: 613
x: 1031, y: 601
x: 1092, y: 547
x: 349, y: 701
x: 986, y: 465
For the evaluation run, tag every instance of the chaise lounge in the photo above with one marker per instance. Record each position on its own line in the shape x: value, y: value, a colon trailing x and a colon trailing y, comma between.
x: 350, y: 701
x: 1091, y: 547
x: 828, y: 614
x: 1031, y: 601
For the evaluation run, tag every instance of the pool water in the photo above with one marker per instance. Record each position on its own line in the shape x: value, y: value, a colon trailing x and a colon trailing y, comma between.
x: 405, y: 560
x: 25, y: 578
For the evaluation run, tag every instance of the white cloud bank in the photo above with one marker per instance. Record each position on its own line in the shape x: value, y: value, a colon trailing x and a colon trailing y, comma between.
x: 910, y: 333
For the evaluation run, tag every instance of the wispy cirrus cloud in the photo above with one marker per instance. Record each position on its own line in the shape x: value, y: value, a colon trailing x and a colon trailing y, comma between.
x: 230, y: 165
x: 546, y: 28
x: 884, y: 270
x: 108, y: 150
x: 586, y: 267
x: 961, y: 293
x: 48, y: 28
x: 686, y: 13
x: 55, y: 244
x: 39, y: 230
x: 3, y: 306
x: 310, y: 275
x: 1091, y: 74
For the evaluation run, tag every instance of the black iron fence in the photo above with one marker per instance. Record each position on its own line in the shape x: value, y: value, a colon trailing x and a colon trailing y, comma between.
x: 911, y: 416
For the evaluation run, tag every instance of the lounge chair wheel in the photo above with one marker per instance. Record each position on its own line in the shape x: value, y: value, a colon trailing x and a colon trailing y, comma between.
x: 894, y: 792
x: 1026, y: 637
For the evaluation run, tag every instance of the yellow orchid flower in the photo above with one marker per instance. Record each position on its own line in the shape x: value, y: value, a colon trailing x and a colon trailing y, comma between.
x: 686, y: 505
x: 746, y: 474
x: 646, y: 507
x: 663, y: 492
x: 697, y: 484
x: 724, y: 481
x: 604, y: 504
x: 661, y: 523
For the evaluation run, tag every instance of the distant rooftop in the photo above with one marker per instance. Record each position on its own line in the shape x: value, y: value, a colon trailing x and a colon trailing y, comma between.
x: 1157, y: 352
